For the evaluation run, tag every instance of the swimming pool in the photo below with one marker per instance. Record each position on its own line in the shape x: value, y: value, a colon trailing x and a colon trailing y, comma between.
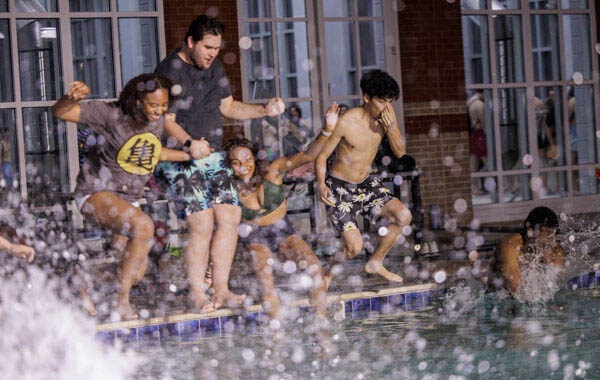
x: 492, y: 337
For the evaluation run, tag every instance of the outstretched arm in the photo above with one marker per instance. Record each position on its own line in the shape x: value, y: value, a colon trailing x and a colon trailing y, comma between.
x: 196, y: 148
x: 234, y: 109
x: 67, y: 107
x: 284, y: 164
x: 168, y: 154
x: 17, y: 250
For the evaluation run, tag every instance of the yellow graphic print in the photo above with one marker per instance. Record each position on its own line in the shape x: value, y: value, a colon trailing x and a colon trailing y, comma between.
x: 140, y: 154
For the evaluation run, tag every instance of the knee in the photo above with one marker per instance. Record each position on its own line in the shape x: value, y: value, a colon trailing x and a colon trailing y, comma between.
x: 403, y: 216
x: 353, y: 247
x: 143, y: 227
x: 228, y: 215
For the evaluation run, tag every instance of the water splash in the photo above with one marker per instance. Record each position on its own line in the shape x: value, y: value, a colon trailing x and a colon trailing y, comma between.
x: 45, y: 338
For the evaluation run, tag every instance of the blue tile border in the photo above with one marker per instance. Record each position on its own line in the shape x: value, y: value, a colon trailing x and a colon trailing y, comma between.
x: 253, y: 323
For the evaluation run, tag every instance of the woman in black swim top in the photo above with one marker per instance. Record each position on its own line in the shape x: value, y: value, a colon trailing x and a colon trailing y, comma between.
x: 266, y: 230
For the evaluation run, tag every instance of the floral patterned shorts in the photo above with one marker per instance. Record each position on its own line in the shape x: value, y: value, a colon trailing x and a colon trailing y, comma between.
x: 197, y: 185
x: 351, y: 199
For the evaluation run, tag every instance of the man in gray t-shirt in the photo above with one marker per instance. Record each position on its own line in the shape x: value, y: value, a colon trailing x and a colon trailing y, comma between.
x: 203, y: 189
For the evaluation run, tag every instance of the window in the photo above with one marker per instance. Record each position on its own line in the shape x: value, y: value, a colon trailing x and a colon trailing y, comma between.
x: 279, y: 44
x: 58, y: 41
x: 531, y: 63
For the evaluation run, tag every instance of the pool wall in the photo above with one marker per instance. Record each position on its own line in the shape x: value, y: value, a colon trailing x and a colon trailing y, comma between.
x: 184, y: 328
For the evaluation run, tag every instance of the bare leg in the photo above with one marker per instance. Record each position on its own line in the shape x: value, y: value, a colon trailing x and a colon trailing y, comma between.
x: 400, y: 216
x: 352, y: 246
x: 222, y: 251
x: 295, y: 249
x: 259, y: 256
x: 117, y: 214
x: 200, y: 226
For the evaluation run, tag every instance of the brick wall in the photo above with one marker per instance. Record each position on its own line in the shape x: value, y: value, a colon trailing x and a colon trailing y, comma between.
x: 434, y: 102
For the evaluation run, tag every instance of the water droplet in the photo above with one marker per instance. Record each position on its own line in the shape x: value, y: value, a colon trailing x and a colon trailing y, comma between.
x: 245, y: 43
x: 176, y: 90
x: 439, y: 276
x: 527, y: 159
x: 460, y: 205
x: 229, y: 58
x: 577, y: 77
x: 448, y: 161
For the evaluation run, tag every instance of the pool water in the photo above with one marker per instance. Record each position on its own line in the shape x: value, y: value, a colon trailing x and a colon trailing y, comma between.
x: 465, y: 337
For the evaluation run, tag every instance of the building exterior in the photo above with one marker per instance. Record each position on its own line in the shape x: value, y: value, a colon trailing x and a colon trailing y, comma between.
x: 534, y: 62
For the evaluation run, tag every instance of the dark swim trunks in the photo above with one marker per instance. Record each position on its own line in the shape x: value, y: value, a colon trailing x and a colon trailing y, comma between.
x: 354, y: 198
x: 270, y: 236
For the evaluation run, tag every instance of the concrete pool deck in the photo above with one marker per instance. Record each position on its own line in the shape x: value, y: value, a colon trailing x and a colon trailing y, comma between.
x: 353, y: 294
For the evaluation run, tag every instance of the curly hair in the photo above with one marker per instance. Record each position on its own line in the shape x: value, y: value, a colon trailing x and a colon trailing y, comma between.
x: 136, y: 90
x: 377, y: 83
x: 261, y: 164
x: 203, y: 25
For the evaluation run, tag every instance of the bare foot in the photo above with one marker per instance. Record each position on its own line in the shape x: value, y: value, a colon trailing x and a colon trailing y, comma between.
x: 228, y: 299
x: 127, y: 313
x: 377, y: 268
x: 87, y: 303
x: 200, y: 304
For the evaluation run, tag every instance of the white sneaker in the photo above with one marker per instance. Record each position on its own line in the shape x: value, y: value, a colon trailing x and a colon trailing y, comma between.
x: 434, y: 247
x: 425, y: 248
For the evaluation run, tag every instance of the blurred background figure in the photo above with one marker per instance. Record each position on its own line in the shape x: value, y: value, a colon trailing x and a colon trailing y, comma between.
x: 477, y: 138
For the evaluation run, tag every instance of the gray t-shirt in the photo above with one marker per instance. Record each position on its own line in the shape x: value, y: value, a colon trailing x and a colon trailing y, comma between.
x: 197, y: 108
x: 123, y: 158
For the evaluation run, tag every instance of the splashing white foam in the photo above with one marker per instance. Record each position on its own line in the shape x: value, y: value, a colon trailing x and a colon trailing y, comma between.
x: 44, y: 338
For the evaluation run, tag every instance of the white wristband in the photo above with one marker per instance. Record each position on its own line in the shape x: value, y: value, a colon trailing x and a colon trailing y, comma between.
x: 326, y: 134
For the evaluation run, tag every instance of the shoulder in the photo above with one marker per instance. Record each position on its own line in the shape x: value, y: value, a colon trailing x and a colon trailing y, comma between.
x: 511, y: 243
x: 352, y: 117
x: 171, y: 65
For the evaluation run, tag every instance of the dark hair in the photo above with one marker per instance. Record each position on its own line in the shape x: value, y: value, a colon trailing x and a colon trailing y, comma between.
x: 295, y: 107
x: 377, y: 83
x: 136, y: 90
x: 261, y: 165
x: 541, y: 217
x: 203, y: 25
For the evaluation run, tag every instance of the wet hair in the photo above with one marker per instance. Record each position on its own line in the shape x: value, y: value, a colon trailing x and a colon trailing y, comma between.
x: 541, y: 217
x: 377, y: 83
x: 261, y: 165
x: 204, y: 25
x: 136, y: 90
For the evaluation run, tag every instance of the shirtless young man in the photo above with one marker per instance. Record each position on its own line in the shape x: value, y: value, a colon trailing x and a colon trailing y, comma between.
x: 539, y: 230
x: 348, y: 189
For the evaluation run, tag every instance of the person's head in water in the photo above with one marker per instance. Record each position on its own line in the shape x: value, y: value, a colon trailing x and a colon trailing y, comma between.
x: 541, y: 222
x: 203, y: 40
x: 379, y: 91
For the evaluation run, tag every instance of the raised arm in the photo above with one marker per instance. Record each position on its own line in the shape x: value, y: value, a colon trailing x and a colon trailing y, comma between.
x: 67, y: 107
x: 234, y: 109
x: 284, y: 164
x: 389, y: 124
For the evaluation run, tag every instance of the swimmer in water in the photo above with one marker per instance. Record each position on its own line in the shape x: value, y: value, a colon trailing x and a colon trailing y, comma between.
x: 539, y: 231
